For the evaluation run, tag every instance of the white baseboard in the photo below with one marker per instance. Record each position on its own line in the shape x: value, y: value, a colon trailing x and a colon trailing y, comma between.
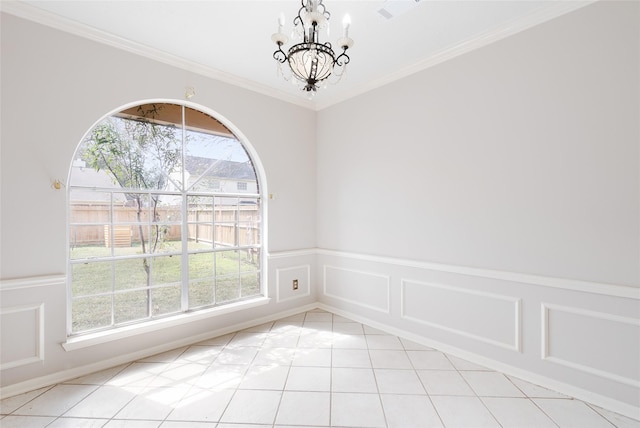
x: 66, y: 375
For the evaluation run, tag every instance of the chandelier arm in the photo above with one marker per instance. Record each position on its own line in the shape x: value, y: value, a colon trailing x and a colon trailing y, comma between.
x: 324, y: 10
x: 298, y: 19
x: 279, y: 55
x: 343, y: 58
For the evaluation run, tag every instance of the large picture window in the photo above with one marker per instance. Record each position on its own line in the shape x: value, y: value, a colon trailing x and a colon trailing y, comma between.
x: 159, y: 223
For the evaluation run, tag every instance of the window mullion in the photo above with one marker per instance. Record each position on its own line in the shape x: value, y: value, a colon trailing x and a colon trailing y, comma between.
x: 184, y: 257
x: 213, y: 246
x: 113, y: 263
x: 184, y: 264
x: 237, y: 238
x: 149, y: 227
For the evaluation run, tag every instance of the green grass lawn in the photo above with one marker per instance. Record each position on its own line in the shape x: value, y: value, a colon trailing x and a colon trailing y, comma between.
x: 214, y: 278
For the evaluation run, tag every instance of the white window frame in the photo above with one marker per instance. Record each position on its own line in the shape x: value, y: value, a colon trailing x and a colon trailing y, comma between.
x: 77, y: 341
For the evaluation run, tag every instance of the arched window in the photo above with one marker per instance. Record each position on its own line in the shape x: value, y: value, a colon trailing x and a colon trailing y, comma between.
x: 164, y: 218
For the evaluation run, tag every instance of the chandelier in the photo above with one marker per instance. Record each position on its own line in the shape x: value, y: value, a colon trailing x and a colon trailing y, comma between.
x: 310, y: 61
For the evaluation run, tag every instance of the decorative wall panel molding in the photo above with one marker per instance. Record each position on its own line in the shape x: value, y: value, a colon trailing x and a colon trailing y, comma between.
x: 598, y: 343
x: 524, y: 278
x: 292, y: 253
x: 284, y: 282
x: 486, y: 317
x: 366, y: 289
x: 22, y: 332
x: 33, y: 281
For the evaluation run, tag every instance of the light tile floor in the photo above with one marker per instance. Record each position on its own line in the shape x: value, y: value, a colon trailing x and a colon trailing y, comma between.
x: 314, y: 369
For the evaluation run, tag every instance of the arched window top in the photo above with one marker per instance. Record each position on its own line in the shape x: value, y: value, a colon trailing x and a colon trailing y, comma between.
x: 164, y: 146
x: 165, y: 217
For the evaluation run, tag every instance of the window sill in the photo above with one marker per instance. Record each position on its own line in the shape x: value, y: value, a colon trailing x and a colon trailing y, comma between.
x: 87, y: 340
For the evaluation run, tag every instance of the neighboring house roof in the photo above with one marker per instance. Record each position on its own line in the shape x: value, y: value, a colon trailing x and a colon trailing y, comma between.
x: 84, y: 179
x: 89, y: 178
x: 222, y: 169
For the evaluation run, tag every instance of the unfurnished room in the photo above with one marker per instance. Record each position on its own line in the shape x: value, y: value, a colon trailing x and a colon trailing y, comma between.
x: 319, y: 213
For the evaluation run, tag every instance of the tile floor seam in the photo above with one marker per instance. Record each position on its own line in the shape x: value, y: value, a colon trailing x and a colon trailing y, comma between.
x: 474, y: 391
x: 377, y: 383
x: 103, y: 384
x: 93, y: 392
x: 595, y: 409
x: 542, y: 410
x: 29, y: 401
x: 435, y: 409
x: 331, y: 378
x: 284, y: 386
x: 236, y: 388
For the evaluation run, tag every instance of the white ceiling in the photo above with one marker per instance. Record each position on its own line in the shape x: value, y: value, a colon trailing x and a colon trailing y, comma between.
x: 231, y: 39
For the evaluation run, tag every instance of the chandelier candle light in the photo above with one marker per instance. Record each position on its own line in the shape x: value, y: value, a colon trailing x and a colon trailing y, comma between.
x: 312, y: 62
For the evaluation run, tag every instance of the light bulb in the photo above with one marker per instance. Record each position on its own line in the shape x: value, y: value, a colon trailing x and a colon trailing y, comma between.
x: 280, y: 22
x: 346, y: 22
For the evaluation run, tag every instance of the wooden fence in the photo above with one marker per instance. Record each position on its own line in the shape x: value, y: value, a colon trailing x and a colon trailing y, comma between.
x: 225, y: 224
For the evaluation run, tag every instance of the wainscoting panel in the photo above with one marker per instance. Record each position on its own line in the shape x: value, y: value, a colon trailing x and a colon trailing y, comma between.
x: 284, y: 282
x: 486, y: 317
x: 22, y: 332
x: 598, y: 343
x: 584, y: 342
x: 365, y: 289
x: 25, y: 303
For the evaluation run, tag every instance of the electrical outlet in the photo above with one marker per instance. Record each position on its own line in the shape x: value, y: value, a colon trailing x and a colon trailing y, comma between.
x: 295, y: 284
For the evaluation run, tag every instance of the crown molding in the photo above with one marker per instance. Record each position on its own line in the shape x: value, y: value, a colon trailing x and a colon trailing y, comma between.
x: 31, y: 13
x: 34, y: 14
x: 478, y: 41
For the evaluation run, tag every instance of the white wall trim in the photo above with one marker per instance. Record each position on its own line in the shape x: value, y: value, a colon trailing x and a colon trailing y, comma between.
x: 299, y: 296
x: 292, y: 253
x: 500, y: 32
x: 355, y: 302
x: 32, y: 281
x: 553, y: 384
x: 517, y: 310
x: 477, y: 41
x: 545, y: 354
x: 544, y: 281
x: 39, y: 351
x: 65, y: 375
x: 31, y: 13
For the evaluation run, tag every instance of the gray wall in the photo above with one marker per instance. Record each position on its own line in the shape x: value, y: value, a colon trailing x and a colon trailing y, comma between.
x: 521, y: 156
x: 55, y: 87
x: 490, y: 205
